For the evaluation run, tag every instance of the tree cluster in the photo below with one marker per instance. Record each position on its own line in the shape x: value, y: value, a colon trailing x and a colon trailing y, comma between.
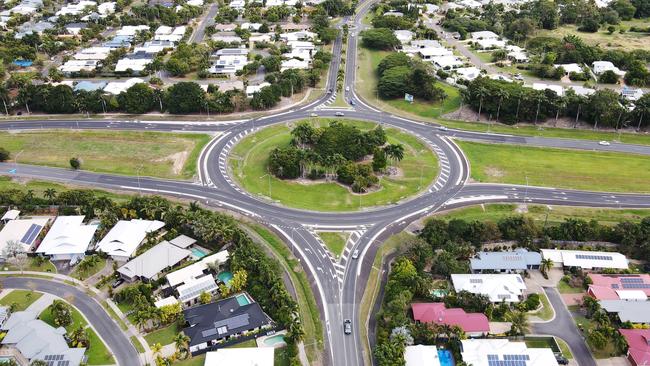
x: 399, y: 74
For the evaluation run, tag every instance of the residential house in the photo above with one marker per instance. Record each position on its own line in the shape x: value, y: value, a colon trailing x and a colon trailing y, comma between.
x: 135, y: 62
x: 220, y: 321
x: 635, y: 311
x: 586, y: 259
x: 125, y: 237
x: 489, y: 44
x: 252, y: 89
x: 75, y: 28
x: 23, y: 231
x: 484, y: 35
x: 131, y: 30
x: 73, y: 66
x: 600, y: 67
x: 298, y: 36
x: 497, y: 287
x: 473, y: 324
x: 404, y: 36
x: 518, y: 260
x: 425, y: 43
x: 446, y: 62
x: 93, y: 53
x: 189, y: 282
x: 638, y: 342
x: 237, y: 4
x: 154, y: 47
x: 429, y: 53
x: 89, y: 86
x: 421, y: 355
x: 631, y: 94
x: 467, y: 73
x: 183, y: 241
x: 619, y: 287
x: 116, y: 87
x: 68, y: 239
x: 246, y: 356
x: 150, y: 265
x: 228, y: 60
x: 10, y: 215
x: 493, y: 352
x: 170, y: 35
x: 569, y: 68
x: 76, y: 9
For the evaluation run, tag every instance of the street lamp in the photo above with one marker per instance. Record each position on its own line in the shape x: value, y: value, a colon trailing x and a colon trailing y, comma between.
x: 138, y: 173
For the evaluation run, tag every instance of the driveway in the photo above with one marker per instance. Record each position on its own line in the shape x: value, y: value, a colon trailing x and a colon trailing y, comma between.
x: 118, y: 343
x: 564, y: 327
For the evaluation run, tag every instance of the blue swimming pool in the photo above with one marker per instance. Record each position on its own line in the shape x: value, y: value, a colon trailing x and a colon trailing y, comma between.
x: 446, y: 358
x: 274, y: 340
x: 225, y: 277
x: 198, y: 253
x: 242, y: 300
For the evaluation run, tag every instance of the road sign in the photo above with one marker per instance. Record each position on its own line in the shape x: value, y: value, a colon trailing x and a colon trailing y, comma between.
x: 408, y: 97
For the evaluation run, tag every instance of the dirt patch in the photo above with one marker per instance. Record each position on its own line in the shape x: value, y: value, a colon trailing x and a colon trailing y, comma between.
x: 493, y: 172
x: 521, y: 209
x: 178, y: 160
x: 393, y: 172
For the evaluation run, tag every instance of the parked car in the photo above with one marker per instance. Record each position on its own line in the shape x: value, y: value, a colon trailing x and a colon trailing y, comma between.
x: 355, y: 254
x: 314, y: 115
x: 561, y: 360
x: 339, y: 114
x: 604, y: 143
x: 347, y: 326
x: 519, y: 77
x: 117, y: 283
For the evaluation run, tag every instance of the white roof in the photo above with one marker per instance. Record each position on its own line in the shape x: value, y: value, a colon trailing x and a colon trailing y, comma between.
x: 170, y: 300
x: 632, y: 295
x: 183, y: 241
x: 133, y: 64
x: 294, y: 64
x: 478, y: 352
x: 24, y: 231
x: 421, y: 355
x: 195, y: 270
x: 11, y: 215
x: 247, y: 356
x: 602, y: 66
x: 252, y: 89
x: 153, y: 261
x: 498, y: 287
x: 434, y: 51
x: 404, y: 36
x: 125, y: 237
x: 484, y: 35
x: 68, y: 235
x: 570, y: 67
x: 491, y: 43
x: 193, y: 288
x: 468, y: 73
x: 116, y: 87
x: 586, y: 259
x: 558, y: 89
x: 446, y: 61
x: 163, y: 29
x: 131, y: 30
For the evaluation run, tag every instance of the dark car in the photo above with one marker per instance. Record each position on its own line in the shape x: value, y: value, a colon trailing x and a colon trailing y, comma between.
x: 347, y: 326
x: 117, y: 283
x: 561, y: 360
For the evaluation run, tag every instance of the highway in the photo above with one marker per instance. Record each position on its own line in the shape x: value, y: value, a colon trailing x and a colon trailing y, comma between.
x: 337, y: 284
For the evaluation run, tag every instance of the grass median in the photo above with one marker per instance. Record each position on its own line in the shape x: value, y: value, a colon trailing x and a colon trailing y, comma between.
x: 249, y: 159
x: 155, y: 154
x: 559, y: 168
x: 334, y: 240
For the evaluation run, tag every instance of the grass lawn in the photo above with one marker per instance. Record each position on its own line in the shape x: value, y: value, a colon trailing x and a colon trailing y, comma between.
x: 249, y: 158
x: 22, y: 299
x: 33, y: 265
x: 97, y: 352
x: 156, y: 154
x: 165, y: 335
x: 602, y: 38
x: 246, y: 344
x: 565, y: 288
x: 546, y: 312
x: 194, y: 361
x: 280, y: 357
x: 483, y: 56
x: 309, y: 313
x: 334, y: 240
x: 564, y: 347
x: 366, y: 86
x: 556, y: 214
x: 39, y: 187
x: 88, y: 272
x: 137, y: 344
x: 587, y: 324
x: 113, y: 315
x: 561, y: 168
x: 539, y: 342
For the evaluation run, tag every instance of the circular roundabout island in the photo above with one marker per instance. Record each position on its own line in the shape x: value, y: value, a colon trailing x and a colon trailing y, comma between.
x: 332, y: 164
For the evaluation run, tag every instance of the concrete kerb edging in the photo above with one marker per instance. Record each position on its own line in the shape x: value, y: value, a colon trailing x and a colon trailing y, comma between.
x: 96, y: 292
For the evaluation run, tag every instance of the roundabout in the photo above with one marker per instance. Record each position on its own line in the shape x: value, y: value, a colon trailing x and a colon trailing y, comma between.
x: 248, y: 164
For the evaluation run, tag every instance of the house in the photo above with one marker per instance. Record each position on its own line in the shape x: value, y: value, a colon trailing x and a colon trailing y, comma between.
x: 72, y: 66
x: 467, y: 73
x: 489, y: 44
x: 427, y: 54
x: 252, y: 89
x: 183, y: 241
x: 76, y: 9
x: 638, y: 342
x: 173, y: 35
x: 169, y: 300
x: 116, y: 87
x: 581, y: 90
x: 421, y: 355
x: 131, y: 30
x: 600, y: 67
x: 149, y: 265
x: 497, y: 287
x: 615, y: 287
x: 393, y: 13
x: 189, y: 282
x: 106, y: 8
x: 446, y: 62
x: 133, y: 65
x: 586, y: 259
x: 93, y: 53
x: 89, y: 86
x: 237, y: 4
x: 125, y: 237
x: 631, y: 94
x: 230, y: 27
x: 23, y: 231
x: 163, y: 3
x: 119, y: 42
x: 68, y: 239
x: 214, y: 323
x: 473, y: 324
x: 569, y: 68
x: 470, y: 4
x: 75, y: 28
x: 517, y: 56
x: 484, y: 35
x: 153, y: 47
x: 37, y: 340
x: 628, y: 311
x: 253, y: 27
x: 228, y: 60
x: 10, y: 215
x: 294, y: 64
x: 31, y: 28
x: 227, y: 37
x: 518, y: 260
x: 425, y: 43
x: 493, y: 352
x: 404, y: 36
x: 246, y: 356
x: 431, y: 8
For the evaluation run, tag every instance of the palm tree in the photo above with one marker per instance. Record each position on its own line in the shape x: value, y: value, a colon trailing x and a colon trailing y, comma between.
x: 539, y: 97
x: 49, y: 194
x: 181, y: 341
x: 481, y: 93
x: 519, y: 322
x: 294, y: 330
x: 394, y: 152
x: 545, y: 265
x: 501, y: 94
x: 156, y: 349
x: 642, y: 108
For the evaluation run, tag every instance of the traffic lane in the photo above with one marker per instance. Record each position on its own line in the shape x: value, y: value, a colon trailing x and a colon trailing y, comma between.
x: 117, y: 342
x: 563, y: 326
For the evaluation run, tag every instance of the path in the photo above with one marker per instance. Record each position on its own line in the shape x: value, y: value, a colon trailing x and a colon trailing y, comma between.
x: 41, y: 303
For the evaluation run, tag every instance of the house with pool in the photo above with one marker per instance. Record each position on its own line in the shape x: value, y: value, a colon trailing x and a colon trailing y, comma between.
x: 224, y: 323
x: 187, y: 283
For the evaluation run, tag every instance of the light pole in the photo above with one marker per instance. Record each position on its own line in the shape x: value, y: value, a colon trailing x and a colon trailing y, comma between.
x: 138, y: 173
x: 526, y: 194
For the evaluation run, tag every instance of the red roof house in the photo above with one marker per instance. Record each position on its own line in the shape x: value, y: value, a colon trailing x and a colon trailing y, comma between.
x: 638, y: 340
x: 436, y: 312
x: 619, y: 287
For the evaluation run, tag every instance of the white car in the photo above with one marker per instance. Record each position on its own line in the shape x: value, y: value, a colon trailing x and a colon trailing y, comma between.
x: 347, y: 88
x: 604, y: 143
x: 443, y: 128
x: 314, y: 115
x: 355, y: 254
x: 339, y: 114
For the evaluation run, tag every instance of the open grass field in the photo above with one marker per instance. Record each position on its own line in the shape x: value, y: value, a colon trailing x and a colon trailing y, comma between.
x: 97, y: 352
x: 38, y: 188
x: 547, y: 167
x: 156, y: 154
x: 249, y: 157
x: 22, y: 299
x: 165, y: 335
x: 334, y: 240
x: 366, y: 86
x: 529, y: 130
x: 625, y: 41
x: 556, y: 214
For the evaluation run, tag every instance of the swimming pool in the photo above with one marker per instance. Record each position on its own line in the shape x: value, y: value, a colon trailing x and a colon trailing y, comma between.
x: 274, y: 340
x: 446, y: 358
x: 225, y: 277
x: 243, y: 300
x: 198, y: 253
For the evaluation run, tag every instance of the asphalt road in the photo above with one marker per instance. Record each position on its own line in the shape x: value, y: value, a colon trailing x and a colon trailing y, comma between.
x: 117, y: 342
x: 564, y: 327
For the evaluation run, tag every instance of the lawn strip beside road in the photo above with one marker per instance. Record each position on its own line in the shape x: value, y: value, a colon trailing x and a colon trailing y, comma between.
x: 164, y: 335
x: 137, y: 344
x: 249, y: 160
x: 309, y: 313
x: 22, y: 299
x: 559, y: 168
x: 390, y: 246
x: 546, y: 312
x: 114, y: 315
x: 155, y: 154
x: 334, y: 240
x: 38, y: 187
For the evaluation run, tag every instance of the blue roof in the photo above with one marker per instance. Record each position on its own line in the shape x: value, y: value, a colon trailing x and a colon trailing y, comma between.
x: 89, y: 85
x: 519, y: 259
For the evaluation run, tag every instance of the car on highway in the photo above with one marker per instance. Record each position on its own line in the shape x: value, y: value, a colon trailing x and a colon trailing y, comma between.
x: 347, y: 326
x: 352, y: 103
x: 347, y: 88
x: 314, y: 115
x: 329, y: 91
x: 442, y: 128
x: 355, y: 254
x: 339, y: 114
x: 604, y: 143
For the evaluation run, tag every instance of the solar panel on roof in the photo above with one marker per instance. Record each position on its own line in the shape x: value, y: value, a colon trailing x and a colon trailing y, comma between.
x: 475, y: 280
x: 594, y: 257
x: 31, y: 234
x: 237, y: 321
x: 209, y: 332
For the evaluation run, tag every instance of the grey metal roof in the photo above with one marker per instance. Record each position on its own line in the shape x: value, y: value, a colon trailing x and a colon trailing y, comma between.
x: 153, y: 261
x: 518, y: 259
x: 633, y: 311
x: 183, y: 241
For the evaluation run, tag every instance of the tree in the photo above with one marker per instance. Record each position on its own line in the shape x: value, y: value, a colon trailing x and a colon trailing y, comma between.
x: 75, y: 163
x: 49, y: 194
x: 15, y: 254
x: 390, y: 353
x: 637, y: 74
x: 642, y: 109
x: 61, y: 313
x: 597, y: 339
x: 205, y: 298
x: 137, y: 99
x: 59, y: 100
x: 394, y: 82
x: 519, y: 322
x: 4, y: 154
x: 379, y: 38
x: 182, y: 343
x: 608, y: 77
x: 379, y: 160
x: 170, y: 313
x: 33, y: 363
x: 393, y: 60
x: 623, y: 8
x: 184, y: 97
x: 545, y: 266
x: 395, y: 152
x: 238, y: 281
